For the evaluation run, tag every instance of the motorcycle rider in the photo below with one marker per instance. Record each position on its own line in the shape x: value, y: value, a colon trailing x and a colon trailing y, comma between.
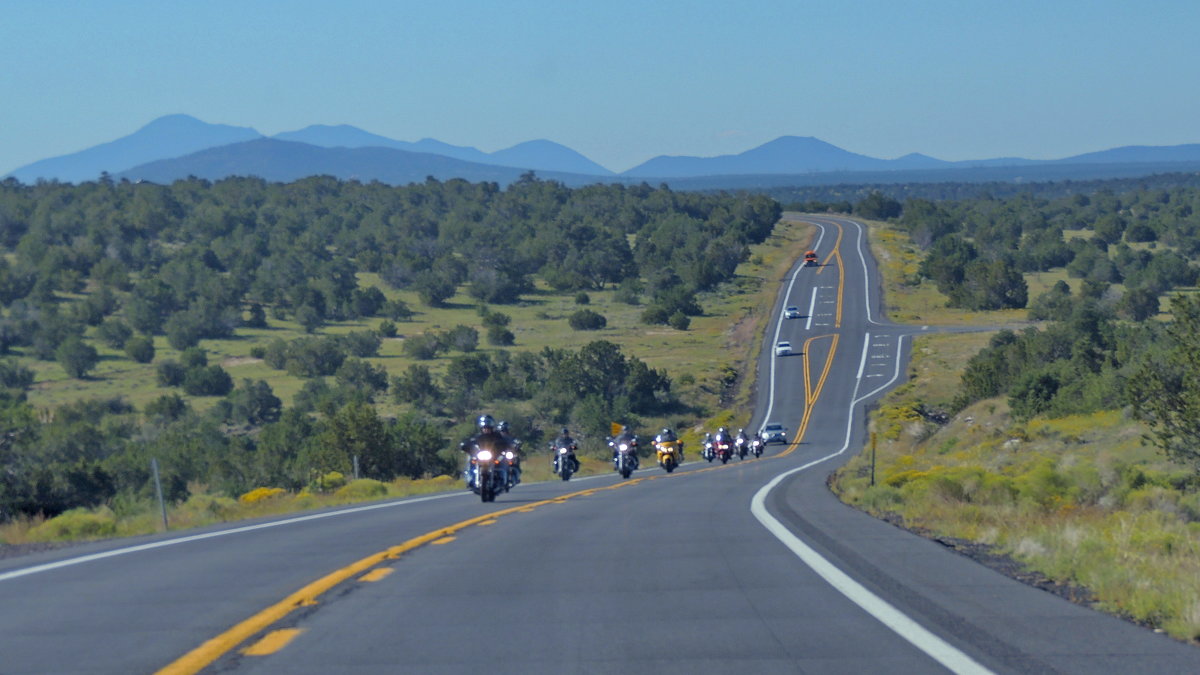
x: 488, y: 436
x: 742, y: 443
x: 723, y: 437
x: 666, y: 436
x: 707, y: 443
x: 629, y: 438
x: 564, y: 440
x: 514, y: 465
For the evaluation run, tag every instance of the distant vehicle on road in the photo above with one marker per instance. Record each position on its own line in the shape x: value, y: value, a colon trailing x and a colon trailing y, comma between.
x: 792, y: 312
x: 783, y: 348
x: 774, y: 432
x: 810, y: 259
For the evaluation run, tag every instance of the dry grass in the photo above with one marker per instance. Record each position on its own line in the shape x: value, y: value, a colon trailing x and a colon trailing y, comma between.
x: 1078, y: 499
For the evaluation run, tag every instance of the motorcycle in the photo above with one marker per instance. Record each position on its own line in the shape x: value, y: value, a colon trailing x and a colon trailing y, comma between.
x: 669, y: 453
x: 741, y: 447
x: 563, y: 466
x: 486, y: 473
x: 756, y: 447
x: 708, y: 452
x: 724, y: 450
x: 626, y: 461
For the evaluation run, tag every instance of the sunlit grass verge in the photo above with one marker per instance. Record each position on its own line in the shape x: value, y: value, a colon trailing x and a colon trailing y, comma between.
x: 1079, y: 500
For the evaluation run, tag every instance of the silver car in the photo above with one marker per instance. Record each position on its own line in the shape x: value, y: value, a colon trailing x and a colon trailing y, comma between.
x: 774, y: 432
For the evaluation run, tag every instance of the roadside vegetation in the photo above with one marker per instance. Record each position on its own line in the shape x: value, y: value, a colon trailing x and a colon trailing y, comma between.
x: 1066, y: 443
x: 256, y: 338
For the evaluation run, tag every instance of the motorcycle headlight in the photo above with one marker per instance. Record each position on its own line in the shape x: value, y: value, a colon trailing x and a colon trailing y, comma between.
x: 484, y: 455
x: 624, y: 447
x: 508, y: 454
x: 562, y: 451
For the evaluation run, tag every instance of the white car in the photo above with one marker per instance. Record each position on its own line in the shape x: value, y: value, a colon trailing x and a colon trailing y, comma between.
x: 792, y: 312
x: 783, y: 348
x: 774, y: 432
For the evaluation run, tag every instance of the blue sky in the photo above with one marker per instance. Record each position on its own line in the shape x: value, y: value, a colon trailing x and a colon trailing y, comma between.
x: 619, y: 81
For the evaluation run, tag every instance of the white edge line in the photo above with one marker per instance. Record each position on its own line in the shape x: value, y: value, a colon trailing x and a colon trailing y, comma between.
x: 862, y: 363
x: 921, y: 638
x: 812, y: 307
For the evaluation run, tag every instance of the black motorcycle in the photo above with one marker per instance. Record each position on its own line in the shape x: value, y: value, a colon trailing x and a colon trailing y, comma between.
x: 626, y: 461
x: 564, y: 461
x: 486, y: 472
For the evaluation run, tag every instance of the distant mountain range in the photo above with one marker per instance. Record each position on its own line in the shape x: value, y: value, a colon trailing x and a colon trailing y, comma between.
x: 177, y: 146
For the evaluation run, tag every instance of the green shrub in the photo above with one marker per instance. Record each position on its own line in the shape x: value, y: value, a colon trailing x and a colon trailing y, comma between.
x: 500, y: 336
x: 363, y: 488
x: 330, y: 481
x: 76, y: 524
x: 586, y: 319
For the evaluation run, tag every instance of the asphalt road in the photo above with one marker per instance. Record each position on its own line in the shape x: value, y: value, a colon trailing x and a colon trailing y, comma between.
x: 750, y: 567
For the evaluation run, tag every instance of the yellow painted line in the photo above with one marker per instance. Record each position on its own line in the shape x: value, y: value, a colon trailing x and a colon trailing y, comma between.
x: 836, y: 254
x: 272, y: 642
x: 377, y: 573
x: 446, y: 540
x: 216, y: 647
x: 486, y: 522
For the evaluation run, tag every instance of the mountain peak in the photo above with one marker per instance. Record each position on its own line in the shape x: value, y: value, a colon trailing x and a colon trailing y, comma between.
x: 167, y: 136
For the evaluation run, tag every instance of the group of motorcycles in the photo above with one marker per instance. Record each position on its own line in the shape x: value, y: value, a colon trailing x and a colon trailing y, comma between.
x: 494, y: 467
x: 724, y: 447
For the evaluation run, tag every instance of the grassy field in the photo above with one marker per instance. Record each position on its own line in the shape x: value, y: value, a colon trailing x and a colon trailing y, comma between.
x: 1079, y: 500
x: 719, y: 340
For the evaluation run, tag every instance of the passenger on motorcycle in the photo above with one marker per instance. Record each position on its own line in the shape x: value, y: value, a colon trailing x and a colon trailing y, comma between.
x: 564, y: 440
x: 488, y: 435
x: 514, y: 464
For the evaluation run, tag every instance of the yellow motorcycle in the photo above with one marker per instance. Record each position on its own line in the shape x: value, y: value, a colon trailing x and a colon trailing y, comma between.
x: 670, y: 453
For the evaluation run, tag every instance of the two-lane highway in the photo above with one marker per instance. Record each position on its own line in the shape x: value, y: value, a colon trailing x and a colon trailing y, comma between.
x: 753, y: 566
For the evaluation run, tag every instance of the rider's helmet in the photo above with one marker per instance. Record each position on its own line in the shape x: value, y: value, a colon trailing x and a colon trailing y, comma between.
x: 666, y: 431
x: 502, y: 427
x: 722, y: 430
x: 485, y: 423
x: 565, y: 432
